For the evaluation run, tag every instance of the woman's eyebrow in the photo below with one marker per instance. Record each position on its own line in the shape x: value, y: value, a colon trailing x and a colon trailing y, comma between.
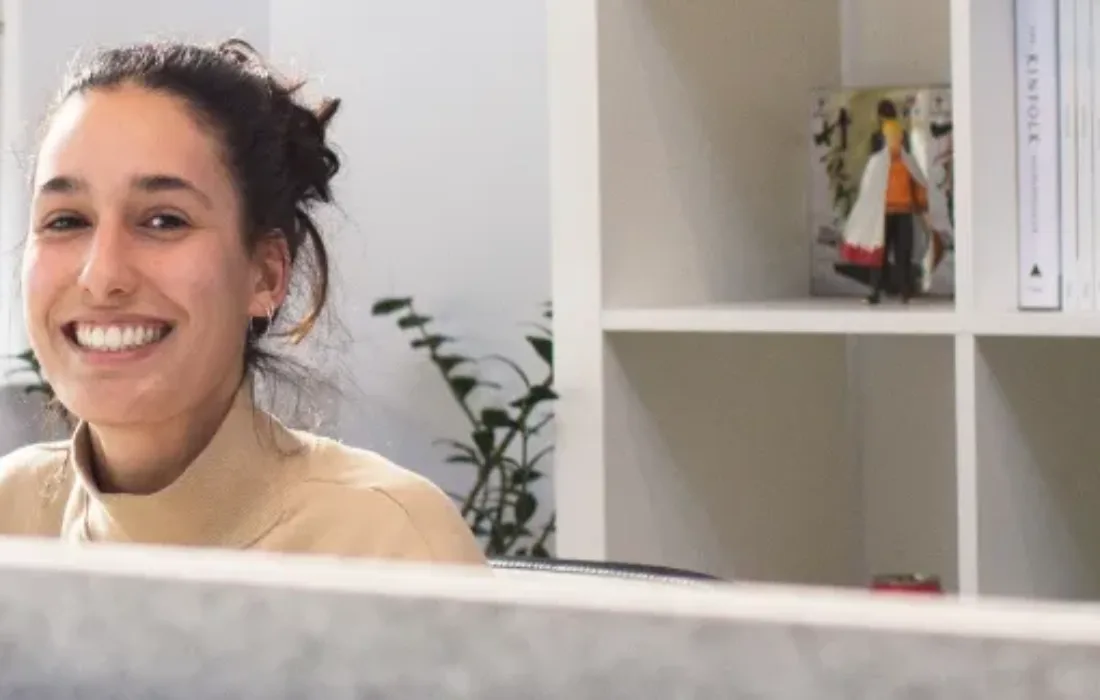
x: 63, y: 184
x: 68, y: 184
x: 170, y: 183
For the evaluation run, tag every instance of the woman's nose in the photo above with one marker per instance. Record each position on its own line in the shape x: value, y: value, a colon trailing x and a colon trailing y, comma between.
x: 108, y: 272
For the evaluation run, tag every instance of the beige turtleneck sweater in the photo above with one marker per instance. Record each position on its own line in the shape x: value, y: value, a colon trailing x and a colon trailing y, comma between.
x: 257, y: 485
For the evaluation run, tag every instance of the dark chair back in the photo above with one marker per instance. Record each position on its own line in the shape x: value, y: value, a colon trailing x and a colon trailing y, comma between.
x: 605, y: 569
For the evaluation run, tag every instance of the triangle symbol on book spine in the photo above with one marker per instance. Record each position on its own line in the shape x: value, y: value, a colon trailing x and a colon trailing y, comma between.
x: 1035, y: 271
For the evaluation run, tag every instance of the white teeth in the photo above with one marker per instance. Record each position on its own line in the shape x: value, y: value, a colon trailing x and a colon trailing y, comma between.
x: 117, y: 338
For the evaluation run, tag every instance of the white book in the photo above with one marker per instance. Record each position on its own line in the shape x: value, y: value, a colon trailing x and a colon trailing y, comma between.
x: 1038, y: 149
x: 1069, y: 86
x: 1086, y: 140
x: 1090, y: 246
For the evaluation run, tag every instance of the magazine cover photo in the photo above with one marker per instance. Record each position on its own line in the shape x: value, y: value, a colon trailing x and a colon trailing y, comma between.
x: 881, y: 193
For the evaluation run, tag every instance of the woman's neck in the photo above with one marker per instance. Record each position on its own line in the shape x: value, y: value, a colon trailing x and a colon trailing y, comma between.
x: 145, y: 458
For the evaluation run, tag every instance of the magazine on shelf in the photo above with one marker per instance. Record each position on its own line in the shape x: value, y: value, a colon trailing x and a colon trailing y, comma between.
x: 849, y: 172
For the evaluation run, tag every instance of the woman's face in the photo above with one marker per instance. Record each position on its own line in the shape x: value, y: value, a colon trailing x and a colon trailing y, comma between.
x: 138, y: 289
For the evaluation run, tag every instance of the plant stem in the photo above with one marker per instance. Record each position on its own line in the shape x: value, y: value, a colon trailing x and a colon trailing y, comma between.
x: 524, y: 455
x: 484, y: 468
x: 541, y: 541
x: 495, y: 457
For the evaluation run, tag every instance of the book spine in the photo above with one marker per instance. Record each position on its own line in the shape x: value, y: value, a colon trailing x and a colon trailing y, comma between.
x: 1070, y: 87
x: 1039, y: 200
x: 1086, y: 143
x: 1090, y: 248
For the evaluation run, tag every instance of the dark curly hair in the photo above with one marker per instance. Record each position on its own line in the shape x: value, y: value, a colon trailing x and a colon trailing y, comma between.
x: 273, y: 146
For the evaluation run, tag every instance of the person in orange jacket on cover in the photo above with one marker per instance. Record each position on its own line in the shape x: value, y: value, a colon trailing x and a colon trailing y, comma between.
x: 891, y: 209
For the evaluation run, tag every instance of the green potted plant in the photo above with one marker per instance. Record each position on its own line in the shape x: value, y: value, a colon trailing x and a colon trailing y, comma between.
x: 504, y: 431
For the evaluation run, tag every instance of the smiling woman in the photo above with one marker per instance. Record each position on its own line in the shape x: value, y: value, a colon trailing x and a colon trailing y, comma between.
x: 173, y: 213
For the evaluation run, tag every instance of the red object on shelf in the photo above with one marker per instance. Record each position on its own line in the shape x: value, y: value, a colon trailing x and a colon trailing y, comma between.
x: 907, y: 583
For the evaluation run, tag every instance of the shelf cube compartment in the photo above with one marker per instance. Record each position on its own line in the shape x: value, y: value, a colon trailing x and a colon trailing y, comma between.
x: 756, y: 457
x: 1038, y: 443
x: 705, y: 143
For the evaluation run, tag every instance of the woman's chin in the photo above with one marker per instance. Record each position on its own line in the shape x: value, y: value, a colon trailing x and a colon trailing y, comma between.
x: 113, y: 407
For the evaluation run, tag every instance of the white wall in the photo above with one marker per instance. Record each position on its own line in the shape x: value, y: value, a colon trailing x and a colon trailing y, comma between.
x: 443, y: 131
x: 444, y: 190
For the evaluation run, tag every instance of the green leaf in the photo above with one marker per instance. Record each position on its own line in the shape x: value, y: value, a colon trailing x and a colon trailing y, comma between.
x: 538, y: 394
x: 448, y: 362
x: 413, y: 321
x: 496, y: 418
x: 544, y: 347
x: 432, y: 342
x: 462, y: 385
x: 460, y: 459
x: 542, y: 392
x: 525, y: 476
x: 526, y: 505
x: 459, y: 449
x: 389, y: 305
x: 484, y: 441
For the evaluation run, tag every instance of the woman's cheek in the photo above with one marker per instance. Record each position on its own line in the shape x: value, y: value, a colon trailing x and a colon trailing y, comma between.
x: 42, y: 281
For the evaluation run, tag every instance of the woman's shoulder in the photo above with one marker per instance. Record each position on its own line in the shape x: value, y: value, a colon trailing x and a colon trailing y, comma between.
x: 34, y: 463
x: 405, y: 511
x: 335, y: 462
x: 31, y: 481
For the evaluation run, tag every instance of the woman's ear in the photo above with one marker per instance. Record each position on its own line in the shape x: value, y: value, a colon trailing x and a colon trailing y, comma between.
x: 270, y: 275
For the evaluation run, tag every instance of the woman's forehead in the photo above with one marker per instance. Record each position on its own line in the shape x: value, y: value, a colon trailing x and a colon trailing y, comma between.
x: 105, y: 135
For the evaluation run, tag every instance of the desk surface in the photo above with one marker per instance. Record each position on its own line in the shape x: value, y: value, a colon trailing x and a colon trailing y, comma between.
x: 141, y: 622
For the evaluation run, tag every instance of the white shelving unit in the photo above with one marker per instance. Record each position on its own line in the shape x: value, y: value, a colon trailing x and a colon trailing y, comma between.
x: 713, y: 415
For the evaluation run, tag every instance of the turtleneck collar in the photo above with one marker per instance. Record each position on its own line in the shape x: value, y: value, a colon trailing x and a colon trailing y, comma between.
x: 228, y: 496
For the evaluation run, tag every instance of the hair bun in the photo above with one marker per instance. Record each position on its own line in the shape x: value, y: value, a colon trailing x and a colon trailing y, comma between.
x: 327, y: 110
x: 239, y: 51
x: 311, y: 161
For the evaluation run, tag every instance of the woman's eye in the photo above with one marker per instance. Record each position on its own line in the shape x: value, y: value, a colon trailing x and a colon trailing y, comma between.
x: 165, y: 222
x: 65, y: 223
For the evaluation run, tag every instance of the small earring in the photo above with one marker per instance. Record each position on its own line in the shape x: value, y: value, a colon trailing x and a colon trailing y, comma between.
x: 256, y: 324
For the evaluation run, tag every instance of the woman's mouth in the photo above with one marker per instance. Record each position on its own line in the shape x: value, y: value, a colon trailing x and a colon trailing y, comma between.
x: 116, y: 337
